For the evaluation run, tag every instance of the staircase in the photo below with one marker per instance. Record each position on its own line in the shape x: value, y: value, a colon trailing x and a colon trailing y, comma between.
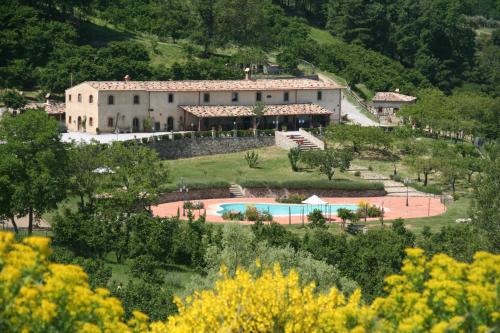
x: 302, y: 143
x: 235, y: 191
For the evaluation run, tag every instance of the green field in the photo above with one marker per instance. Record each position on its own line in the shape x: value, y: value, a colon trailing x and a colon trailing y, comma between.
x: 273, y: 166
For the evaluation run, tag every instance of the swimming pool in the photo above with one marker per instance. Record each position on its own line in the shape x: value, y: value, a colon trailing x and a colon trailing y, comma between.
x: 284, y: 209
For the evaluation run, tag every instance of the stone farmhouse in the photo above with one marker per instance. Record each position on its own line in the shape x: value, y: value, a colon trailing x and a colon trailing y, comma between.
x: 136, y: 106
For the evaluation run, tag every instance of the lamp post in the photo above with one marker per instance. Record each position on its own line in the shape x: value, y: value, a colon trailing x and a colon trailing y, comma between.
x: 301, y: 123
x: 407, y: 182
x: 183, y: 189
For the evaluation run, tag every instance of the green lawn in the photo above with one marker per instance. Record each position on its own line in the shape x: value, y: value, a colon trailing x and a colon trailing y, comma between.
x: 273, y: 165
x: 175, y: 276
x: 455, y: 210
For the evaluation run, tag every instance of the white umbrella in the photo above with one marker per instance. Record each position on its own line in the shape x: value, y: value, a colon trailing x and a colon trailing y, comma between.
x: 314, y: 200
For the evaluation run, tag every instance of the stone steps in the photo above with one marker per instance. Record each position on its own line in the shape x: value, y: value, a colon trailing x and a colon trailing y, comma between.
x: 302, y: 142
x: 235, y: 191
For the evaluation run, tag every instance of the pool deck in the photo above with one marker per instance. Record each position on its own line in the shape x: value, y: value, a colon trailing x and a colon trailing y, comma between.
x: 394, y: 207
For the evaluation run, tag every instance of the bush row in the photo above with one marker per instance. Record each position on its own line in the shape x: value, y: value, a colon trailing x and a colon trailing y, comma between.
x: 205, y: 134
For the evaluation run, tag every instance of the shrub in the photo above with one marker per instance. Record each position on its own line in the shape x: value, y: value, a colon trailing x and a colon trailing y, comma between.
x: 292, y: 199
x: 252, y: 158
x: 178, y: 136
x: 370, y: 168
x: 251, y: 213
x: 233, y: 215
x: 146, y: 267
x: 316, y: 219
x: 311, y: 158
x: 266, y: 216
x: 198, y: 205
x: 294, y: 157
x: 366, y: 209
x: 187, y: 205
x: 357, y: 174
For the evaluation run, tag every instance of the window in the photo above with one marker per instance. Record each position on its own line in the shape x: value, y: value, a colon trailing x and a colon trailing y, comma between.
x: 110, y: 122
x: 286, y: 96
x: 69, y: 97
x: 136, y: 99
x: 111, y: 100
x: 206, y: 98
x: 91, y: 122
x: 91, y: 99
x: 69, y: 120
x: 258, y: 96
x: 170, y: 98
x: 320, y: 95
x: 234, y: 97
x: 79, y: 98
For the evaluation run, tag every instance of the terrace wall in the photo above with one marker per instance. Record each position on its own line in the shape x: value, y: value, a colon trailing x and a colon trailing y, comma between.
x: 189, y: 147
x: 264, y: 192
x: 198, y: 194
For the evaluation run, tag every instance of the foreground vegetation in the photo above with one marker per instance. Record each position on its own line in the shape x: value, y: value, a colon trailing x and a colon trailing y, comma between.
x: 437, y: 294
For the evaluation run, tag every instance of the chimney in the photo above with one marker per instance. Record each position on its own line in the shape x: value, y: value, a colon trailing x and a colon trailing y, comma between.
x: 127, y: 78
x: 248, y: 74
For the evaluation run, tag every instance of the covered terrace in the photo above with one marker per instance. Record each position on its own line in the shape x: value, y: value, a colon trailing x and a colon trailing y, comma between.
x: 229, y: 117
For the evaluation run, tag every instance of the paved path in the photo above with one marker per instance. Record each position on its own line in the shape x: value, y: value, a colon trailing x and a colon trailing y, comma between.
x: 350, y: 109
x: 393, y: 188
x: 354, y: 114
x: 108, y: 137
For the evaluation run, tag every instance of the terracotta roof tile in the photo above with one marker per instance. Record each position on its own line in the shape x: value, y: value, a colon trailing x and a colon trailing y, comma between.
x: 392, y: 97
x: 213, y: 85
x: 50, y: 108
x: 220, y: 111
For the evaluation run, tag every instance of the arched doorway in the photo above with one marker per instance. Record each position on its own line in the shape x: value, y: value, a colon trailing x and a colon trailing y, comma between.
x: 79, y: 123
x: 170, y: 124
x: 135, y: 125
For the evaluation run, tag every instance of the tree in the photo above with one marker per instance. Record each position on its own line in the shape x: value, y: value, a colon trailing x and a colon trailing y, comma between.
x: 258, y: 110
x: 32, y: 145
x: 152, y: 299
x: 316, y: 219
x: 14, y: 100
x: 87, y: 170
x: 458, y: 241
x: 485, y: 209
x: 332, y: 160
x: 294, y: 158
x: 136, y: 179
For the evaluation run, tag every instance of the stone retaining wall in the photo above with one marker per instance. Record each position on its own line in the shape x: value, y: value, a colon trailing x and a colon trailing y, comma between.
x: 189, y: 147
x: 223, y: 192
x: 331, y: 193
x: 206, y: 193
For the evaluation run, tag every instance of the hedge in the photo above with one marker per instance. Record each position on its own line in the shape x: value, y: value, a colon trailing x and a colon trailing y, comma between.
x: 312, y: 184
x: 198, y: 186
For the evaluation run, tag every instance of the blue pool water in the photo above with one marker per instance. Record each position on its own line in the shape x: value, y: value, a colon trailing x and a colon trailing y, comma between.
x: 283, y: 209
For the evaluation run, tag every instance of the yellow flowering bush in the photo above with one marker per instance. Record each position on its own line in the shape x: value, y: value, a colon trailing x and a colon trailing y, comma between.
x: 431, y: 295
x: 39, y: 296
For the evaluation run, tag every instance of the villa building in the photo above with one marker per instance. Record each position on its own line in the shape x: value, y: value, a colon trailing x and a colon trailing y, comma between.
x: 136, y: 106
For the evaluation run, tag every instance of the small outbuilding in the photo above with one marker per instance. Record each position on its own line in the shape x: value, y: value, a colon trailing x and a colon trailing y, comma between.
x: 390, y: 102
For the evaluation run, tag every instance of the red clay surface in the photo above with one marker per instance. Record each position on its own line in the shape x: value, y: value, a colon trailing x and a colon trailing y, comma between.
x: 394, y: 207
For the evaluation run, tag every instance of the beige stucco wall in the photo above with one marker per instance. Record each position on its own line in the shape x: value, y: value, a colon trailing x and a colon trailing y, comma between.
x: 83, y: 109
x: 124, y: 110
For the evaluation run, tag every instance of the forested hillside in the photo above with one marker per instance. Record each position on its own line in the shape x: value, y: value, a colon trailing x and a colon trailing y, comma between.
x: 383, y: 44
